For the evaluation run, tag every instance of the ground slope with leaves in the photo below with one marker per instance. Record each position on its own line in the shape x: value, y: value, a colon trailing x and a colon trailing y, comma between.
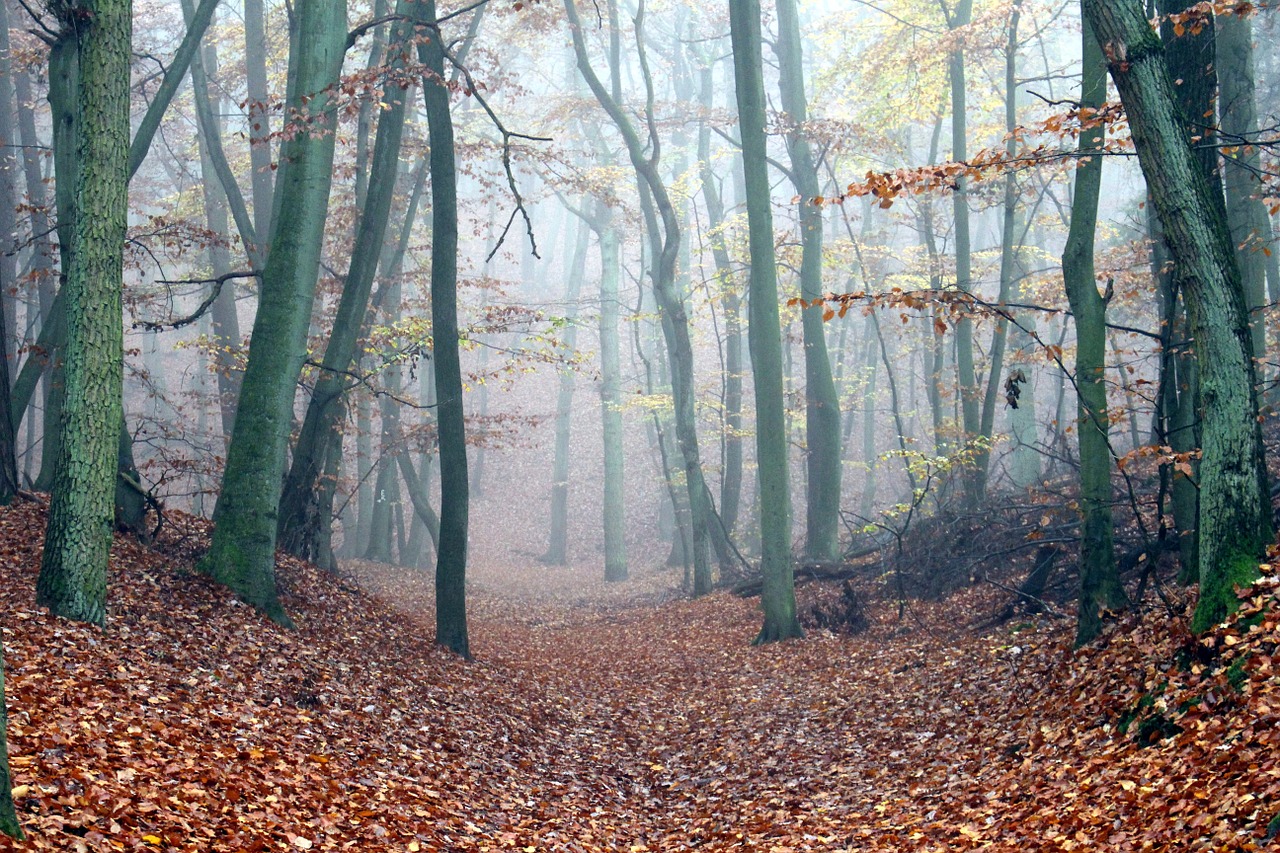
x: 615, y: 718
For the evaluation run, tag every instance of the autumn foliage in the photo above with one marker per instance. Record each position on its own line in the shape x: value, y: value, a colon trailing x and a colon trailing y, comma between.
x: 599, y: 718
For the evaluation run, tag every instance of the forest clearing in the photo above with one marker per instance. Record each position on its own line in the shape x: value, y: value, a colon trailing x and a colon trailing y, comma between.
x: 602, y: 718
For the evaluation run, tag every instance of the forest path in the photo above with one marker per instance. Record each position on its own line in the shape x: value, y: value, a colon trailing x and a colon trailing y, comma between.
x: 666, y: 719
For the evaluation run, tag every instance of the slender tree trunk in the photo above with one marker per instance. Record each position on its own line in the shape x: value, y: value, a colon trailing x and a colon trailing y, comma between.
x: 301, y: 521
x: 558, y: 546
x: 1246, y: 214
x: 778, y: 596
x: 226, y: 324
x: 242, y: 554
x: 73, y: 569
x: 822, y: 405
x: 1235, y: 507
x: 663, y: 229
x: 614, y: 503
x: 451, y: 562
x: 258, y: 108
x: 959, y: 18
x: 1099, y: 577
x: 1009, y: 250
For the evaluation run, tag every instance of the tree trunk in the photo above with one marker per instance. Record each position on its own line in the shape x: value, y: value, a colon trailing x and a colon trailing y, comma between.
x: 1246, y: 214
x: 822, y: 406
x: 558, y: 540
x: 73, y: 569
x: 242, y: 554
x: 614, y: 503
x: 451, y: 561
x: 1235, y: 507
x: 301, y: 522
x: 958, y: 18
x: 664, y: 238
x: 1100, y: 586
x: 226, y: 324
x: 765, y: 334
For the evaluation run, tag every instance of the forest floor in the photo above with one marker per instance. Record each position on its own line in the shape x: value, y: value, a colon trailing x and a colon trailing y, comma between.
x: 619, y: 717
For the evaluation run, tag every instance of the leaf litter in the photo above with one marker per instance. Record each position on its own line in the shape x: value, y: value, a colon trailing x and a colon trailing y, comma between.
x: 601, y: 718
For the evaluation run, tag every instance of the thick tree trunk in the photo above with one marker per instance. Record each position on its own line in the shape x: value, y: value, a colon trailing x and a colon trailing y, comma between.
x: 1235, y: 510
x: 765, y: 333
x: 242, y: 555
x: 73, y: 569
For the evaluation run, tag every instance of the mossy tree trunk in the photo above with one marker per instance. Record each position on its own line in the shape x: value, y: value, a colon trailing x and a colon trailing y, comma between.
x: 73, y: 569
x: 302, y: 521
x: 242, y: 554
x: 1235, y: 507
x: 765, y: 335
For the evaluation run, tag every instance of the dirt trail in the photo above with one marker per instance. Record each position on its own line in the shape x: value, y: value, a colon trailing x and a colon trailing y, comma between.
x: 665, y: 718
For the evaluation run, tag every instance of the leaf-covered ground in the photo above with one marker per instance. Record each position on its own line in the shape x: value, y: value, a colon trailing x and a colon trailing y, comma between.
x: 617, y: 718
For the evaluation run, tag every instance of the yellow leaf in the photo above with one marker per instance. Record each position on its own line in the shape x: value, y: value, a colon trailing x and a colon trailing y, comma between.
x: 21, y: 791
x: 152, y: 839
x: 414, y: 847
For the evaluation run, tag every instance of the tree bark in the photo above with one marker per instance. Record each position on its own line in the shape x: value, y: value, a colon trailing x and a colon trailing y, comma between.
x: 822, y: 405
x: 73, y: 569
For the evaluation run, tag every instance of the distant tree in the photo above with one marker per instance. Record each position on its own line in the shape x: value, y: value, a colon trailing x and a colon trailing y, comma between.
x: 73, y: 569
x: 1235, y: 506
x: 764, y: 335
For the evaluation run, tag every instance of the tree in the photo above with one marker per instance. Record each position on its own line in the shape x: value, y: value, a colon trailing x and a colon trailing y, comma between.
x: 8, y: 817
x: 73, y: 569
x: 451, y: 557
x: 242, y: 553
x: 764, y: 335
x: 1235, y: 506
x: 1099, y: 577
x: 300, y: 521
x: 822, y: 406
x: 663, y: 230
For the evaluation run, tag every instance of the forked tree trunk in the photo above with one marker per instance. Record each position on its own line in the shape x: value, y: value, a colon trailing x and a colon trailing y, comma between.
x: 242, y: 554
